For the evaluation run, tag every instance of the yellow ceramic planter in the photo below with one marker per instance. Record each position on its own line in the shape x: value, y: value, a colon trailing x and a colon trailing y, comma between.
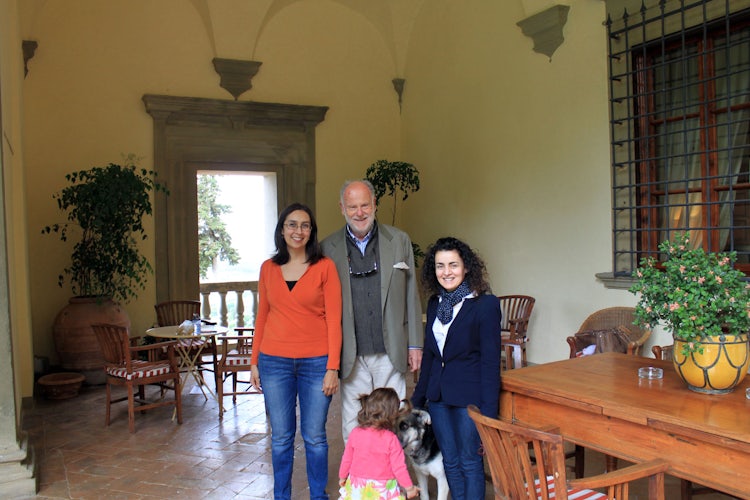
x: 719, y: 369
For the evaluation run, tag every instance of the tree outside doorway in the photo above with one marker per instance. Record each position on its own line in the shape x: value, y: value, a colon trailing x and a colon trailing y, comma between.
x: 236, y: 216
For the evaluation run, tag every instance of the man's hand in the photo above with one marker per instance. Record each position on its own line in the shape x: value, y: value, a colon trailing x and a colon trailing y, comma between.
x: 415, y: 359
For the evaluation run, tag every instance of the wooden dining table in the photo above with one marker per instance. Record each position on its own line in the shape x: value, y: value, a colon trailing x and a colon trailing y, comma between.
x: 600, y: 402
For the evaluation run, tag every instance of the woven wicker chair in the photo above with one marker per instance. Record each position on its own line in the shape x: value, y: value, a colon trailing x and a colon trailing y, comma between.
x: 617, y: 321
x: 620, y: 318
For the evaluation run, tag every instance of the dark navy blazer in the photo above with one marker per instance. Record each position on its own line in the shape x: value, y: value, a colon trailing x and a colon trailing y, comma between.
x: 468, y: 372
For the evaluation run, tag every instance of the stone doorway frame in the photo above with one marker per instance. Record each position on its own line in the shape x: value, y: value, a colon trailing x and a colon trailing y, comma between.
x: 192, y: 134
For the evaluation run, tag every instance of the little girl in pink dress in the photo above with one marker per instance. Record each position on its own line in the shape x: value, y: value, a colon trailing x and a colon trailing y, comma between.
x: 374, y: 465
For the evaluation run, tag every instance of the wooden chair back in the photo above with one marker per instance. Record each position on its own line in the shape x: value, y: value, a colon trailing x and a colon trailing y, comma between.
x: 174, y: 312
x: 514, y: 326
x: 516, y: 311
x: 123, y: 366
x: 530, y: 463
x: 509, y: 448
x: 114, y: 344
x: 232, y: 358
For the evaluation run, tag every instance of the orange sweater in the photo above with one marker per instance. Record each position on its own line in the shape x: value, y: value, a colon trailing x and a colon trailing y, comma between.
x: 304, y: 322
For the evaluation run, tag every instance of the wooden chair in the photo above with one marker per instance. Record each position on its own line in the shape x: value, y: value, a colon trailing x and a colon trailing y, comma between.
x: 233, y: 357
x: 123, y: 366
x: 515, y: 475
x: 516, y: 310
x: 687, y: 488
x: 614, y: 327
x: 174, y: 312
x: 663, y: 352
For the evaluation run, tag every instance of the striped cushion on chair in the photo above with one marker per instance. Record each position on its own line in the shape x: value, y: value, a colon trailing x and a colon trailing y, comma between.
x: 235, y: 359
x: 141, y: 369
x: 573, y: 493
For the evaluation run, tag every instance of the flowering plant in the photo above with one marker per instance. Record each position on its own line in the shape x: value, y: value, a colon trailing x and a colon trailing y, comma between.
x: 696, y: 294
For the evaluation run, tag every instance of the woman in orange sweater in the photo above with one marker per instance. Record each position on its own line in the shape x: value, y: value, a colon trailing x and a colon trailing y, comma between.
x: 297, y: 347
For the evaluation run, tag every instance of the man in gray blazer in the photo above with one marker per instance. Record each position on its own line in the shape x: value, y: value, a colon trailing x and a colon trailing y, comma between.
x: 382, y: 316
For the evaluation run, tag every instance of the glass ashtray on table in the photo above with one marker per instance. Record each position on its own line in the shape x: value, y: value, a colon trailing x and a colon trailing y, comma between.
x: 650, y: 372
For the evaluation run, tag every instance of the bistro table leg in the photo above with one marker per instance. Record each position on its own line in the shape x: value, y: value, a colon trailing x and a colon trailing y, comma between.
x: 186, y: 361
x: 191, y: 363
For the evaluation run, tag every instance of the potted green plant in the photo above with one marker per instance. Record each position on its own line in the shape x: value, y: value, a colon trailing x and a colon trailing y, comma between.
x: 104, y: 208
x: 702, y: 300
x: 398, y: 180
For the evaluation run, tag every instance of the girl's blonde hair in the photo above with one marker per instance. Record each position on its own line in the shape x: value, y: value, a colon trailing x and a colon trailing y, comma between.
x: 381, y: 409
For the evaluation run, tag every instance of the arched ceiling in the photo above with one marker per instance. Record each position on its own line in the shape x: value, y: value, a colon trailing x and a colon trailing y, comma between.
x: 393, y: 19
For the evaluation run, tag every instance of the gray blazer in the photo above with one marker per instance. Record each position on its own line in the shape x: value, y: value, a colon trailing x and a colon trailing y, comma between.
x: 402, y: 311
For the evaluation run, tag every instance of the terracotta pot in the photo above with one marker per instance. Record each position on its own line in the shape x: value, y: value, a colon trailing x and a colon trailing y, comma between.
x: 61, y: 385
x: 719, y: 369
x: 75, y: 341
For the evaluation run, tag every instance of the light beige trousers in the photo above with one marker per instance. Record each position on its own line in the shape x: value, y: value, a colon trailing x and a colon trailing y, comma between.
x: 368, y: 373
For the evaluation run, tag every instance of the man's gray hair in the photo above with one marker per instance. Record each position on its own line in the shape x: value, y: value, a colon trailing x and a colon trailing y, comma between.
x: 349, y: 182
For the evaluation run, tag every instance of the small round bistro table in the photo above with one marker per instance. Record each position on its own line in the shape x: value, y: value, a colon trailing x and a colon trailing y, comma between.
x: 189, y: 351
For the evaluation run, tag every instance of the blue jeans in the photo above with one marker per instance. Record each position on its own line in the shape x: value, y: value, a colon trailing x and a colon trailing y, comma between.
x: 283, y: 381
x: 459, y: 442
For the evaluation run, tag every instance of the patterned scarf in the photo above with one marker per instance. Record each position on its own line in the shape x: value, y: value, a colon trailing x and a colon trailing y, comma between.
x: 450, y: 299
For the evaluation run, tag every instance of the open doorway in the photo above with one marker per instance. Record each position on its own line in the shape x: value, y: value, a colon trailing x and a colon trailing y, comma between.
x: 237, y: 214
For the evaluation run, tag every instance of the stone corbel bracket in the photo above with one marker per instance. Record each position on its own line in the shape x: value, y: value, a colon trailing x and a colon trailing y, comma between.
x: 398, y: 86
x: 546, y: 29
x: 29, y: 48
x: 236, y: 75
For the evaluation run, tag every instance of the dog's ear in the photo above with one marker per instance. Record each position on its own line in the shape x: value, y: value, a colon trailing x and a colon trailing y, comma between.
x: 425, y: 417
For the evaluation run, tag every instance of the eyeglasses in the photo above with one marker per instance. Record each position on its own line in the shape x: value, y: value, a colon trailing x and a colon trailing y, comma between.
x: 363, y: 274
x: 305, y: 227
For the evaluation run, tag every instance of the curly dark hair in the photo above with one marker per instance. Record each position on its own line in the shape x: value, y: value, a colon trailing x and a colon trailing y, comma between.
x: 476, y: 271
x: 381, y: 409
x: 312, y: 249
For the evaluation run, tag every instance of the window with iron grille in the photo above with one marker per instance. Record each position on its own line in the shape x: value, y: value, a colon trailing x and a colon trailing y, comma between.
x: 679, y: 107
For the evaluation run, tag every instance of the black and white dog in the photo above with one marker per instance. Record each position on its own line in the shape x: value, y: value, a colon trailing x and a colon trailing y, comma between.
x: 419, y: 444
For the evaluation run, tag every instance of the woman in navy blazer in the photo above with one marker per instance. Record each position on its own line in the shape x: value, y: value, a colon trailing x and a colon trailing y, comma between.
x: 461, y: 359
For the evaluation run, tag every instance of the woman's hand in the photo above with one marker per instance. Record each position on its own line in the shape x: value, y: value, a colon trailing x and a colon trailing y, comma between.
x: 331, y: 382
x: 255, y: 377
x: 412, y: 492
x: 342, y: 482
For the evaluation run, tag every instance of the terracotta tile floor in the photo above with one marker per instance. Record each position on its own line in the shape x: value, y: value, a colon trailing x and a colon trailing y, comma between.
x: 203, y: 458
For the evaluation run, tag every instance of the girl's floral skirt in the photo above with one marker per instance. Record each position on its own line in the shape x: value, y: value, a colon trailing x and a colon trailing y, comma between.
x: 358, y: 488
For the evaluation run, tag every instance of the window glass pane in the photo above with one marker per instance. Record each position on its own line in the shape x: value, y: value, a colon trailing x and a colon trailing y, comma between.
x: 736, y: 84
x: 676, y: 87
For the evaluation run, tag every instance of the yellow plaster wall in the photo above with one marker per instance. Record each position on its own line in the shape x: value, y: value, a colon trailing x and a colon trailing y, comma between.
x: 514, y: 155
x: 82, y: 100
x: 11, y: 77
